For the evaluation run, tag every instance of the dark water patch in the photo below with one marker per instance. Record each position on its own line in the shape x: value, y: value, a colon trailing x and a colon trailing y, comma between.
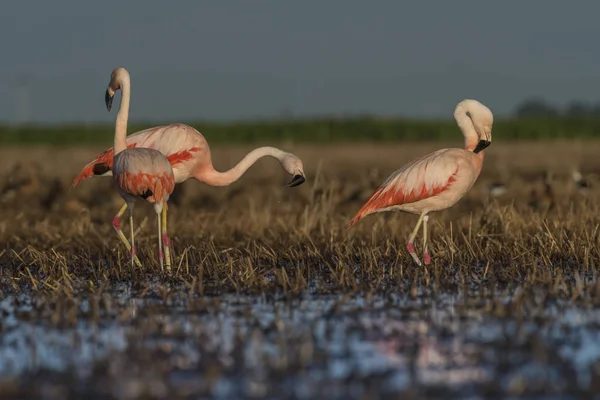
x: 144, y: 344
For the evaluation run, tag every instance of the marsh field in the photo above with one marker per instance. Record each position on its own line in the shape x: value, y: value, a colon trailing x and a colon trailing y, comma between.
x: 272, y: 297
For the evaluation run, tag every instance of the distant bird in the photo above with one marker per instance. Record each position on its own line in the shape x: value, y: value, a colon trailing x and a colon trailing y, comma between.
x: 23, y: 181
x: 496, y: 189
x: 582, y: 184
x: 27, y: 183
x: 138, y: 172
x: 542, y: 197
x: 437, y: 180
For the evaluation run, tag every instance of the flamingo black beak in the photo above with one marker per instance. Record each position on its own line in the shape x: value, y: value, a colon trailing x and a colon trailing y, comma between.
x: 108, y: 100
x: 483, y: 144
x: 297, y: 180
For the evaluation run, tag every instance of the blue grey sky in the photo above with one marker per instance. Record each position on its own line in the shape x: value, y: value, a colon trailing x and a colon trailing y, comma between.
x: 235, y: 59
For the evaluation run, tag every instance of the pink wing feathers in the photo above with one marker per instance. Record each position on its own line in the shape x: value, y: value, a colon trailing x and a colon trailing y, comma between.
x: 178, y: 142
x: 149, y: 186
x: 417, y: 180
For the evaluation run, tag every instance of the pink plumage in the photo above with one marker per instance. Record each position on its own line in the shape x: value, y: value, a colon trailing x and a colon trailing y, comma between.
x: 144, y: 173
x: 184, y: 147
x: 152, y: 156
x: 188, y: 153
x: 421, y: 179
x: 437, y: 180
x: 137, y: 172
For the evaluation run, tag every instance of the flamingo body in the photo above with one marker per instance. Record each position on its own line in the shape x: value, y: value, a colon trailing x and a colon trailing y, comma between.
x: 431, y: 183
x: 188, y: 153
x: 185, y: 148
x: 437, y: 180
x: 144, y: 173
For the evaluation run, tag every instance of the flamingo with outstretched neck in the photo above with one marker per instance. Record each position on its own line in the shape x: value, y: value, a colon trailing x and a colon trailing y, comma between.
x: 189, y: 155
x: 437, y: 180
x: 138, y: 172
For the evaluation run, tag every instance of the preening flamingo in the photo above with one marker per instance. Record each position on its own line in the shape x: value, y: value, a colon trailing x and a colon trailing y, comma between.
x: 437, y: 180
x: 138, y: 172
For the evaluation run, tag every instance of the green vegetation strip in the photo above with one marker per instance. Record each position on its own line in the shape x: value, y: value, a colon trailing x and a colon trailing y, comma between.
x: 361, y: 129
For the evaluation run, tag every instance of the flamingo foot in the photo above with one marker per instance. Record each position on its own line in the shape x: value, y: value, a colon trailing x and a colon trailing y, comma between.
x: 411, y: 250
x: 133, y: 257
x: 427, y: 258
x: 116, y: 223
x: 166, y: 240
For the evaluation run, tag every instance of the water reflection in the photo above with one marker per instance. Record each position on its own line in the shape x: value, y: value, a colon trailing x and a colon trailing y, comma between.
x: 316, y: 347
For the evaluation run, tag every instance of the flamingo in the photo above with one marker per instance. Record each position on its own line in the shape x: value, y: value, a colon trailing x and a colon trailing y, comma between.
x: 138, y: 172
x: 437, y: 180
x: 189, y: 155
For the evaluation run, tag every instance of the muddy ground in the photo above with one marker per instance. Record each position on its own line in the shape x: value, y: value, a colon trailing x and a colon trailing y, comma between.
x: 272, y: 297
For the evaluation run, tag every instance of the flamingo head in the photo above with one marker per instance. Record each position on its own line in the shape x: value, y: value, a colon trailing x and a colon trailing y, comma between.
x: 485, y: 139
x: 108, y: 98
x: 482, y: 119
x: 117, y: 77
x: 293, y: 166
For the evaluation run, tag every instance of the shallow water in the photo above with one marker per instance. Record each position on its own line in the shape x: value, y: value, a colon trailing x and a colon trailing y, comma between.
x: 125, y: 344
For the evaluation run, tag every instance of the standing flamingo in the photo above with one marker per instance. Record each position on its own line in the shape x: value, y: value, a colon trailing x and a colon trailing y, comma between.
x: 437, y: 180
x: 189, y: 156
x: 140, y: 172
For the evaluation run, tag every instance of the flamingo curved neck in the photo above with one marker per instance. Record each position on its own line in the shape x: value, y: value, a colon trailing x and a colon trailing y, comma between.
x: 213, y: 177
x: 466, y: 126
x: 120, y: 143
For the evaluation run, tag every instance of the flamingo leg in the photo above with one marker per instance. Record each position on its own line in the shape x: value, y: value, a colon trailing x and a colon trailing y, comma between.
x: 426, y: 256
x: 410, y: 246
x: 117, y: 225
x: 133, y: 256
x: 165, y: 238
x: 160, y: 249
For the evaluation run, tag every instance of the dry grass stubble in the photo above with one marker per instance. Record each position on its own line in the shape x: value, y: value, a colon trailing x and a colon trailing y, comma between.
x: 257, y: 236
